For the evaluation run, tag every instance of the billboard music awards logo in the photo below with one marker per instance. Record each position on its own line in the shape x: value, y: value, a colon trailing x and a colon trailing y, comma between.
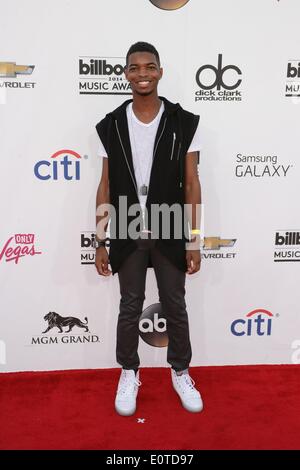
x: 287, y: 246
x: 153, y: 326
x: 61, y: 325
x: 260, y: 166
x: 218, y: 82
x: 216, y: 244
x: 292, y: 85
x: 64, y: 164
x: 169, y: 4
x: 87, y: 255
x: 103, y: 76
x: 258, y: 322
x: 18, y: 246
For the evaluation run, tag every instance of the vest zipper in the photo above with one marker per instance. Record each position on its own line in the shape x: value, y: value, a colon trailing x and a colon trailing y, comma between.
x: 117, y: 127
x: 159, y: 139
x: 173, y: 145
x: 179, y: 148
x: 162, y: 131
x: 124, y: 153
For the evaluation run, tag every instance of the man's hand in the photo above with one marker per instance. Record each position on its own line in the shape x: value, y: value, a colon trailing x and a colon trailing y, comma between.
x: 101, y: 262
x: 193, y: 259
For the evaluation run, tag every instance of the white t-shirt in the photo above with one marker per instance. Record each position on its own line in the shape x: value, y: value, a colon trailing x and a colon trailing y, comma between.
x: 142, y: 137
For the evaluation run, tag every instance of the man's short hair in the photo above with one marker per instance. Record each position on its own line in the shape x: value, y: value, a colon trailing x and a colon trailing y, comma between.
x: 142, y: 47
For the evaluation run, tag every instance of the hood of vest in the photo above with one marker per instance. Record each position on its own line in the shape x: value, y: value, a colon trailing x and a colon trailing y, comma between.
x: 170, y: 108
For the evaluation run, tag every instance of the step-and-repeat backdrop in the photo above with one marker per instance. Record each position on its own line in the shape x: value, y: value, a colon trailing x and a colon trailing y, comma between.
x: 237, y: 64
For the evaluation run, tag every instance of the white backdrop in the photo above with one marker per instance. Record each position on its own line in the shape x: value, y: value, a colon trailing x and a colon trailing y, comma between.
x: 249, y: 172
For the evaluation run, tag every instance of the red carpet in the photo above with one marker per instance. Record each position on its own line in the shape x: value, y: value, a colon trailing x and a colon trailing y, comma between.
x: 245, y: 407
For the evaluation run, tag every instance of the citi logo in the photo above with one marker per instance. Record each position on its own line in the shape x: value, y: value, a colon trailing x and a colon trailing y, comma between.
x: 99, y: 67
x: 64, y: 164
x: 257, y: 322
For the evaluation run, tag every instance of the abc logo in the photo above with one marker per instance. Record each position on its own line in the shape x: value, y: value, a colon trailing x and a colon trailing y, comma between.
x: 218, y: 74
x: 153, y: 326
x: 169, y: 4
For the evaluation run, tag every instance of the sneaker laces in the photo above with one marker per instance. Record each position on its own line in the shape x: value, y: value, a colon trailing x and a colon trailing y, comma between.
x: 187, y: 384
x: 127, y: 385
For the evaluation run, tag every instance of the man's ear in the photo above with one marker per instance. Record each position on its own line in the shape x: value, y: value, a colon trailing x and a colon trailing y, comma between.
x: 161, y: 72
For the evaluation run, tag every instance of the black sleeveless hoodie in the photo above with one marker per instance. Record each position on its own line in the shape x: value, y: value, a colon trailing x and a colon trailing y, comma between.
x: 167, y: 178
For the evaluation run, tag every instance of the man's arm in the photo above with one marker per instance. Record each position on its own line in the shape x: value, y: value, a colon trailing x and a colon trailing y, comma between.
x: 101, y: 199
x: 193, y: 201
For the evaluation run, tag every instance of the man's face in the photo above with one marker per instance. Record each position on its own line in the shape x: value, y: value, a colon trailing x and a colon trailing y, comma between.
x: 143, y: 73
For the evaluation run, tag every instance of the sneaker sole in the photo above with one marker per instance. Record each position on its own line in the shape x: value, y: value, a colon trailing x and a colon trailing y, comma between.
x: 186, y: 407
x: 191, y: 410
x: 124, y: 412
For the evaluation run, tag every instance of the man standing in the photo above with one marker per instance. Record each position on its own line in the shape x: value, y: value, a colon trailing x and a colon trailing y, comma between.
x: 151, y: 150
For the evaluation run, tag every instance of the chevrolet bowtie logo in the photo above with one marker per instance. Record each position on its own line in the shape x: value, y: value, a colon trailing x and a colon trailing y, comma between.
x: 10, y: 69
x: 215, y: 243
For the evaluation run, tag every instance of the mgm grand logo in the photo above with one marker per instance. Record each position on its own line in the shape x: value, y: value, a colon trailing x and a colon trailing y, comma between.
x: 58, y: 324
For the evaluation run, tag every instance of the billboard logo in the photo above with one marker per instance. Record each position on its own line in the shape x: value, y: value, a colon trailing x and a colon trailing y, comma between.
x: 292, y: 86
x: 103, y: 76
x: 287, y: 246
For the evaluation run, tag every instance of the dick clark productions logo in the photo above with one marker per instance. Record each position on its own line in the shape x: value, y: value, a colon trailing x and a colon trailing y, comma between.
x: 218, y: 82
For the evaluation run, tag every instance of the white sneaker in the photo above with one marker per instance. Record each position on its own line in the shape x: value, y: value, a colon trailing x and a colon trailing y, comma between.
x: 189, y: 395
x: 125, y: 402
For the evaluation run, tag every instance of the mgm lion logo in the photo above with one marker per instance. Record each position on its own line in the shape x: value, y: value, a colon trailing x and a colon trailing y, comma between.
x: 56, y: 320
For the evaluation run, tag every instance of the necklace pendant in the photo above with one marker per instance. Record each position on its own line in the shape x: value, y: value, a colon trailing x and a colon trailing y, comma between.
x: 144, y: 190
